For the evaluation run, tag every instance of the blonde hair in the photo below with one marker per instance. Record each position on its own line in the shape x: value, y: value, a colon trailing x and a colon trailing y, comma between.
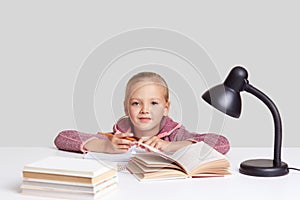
x: 145, y: 77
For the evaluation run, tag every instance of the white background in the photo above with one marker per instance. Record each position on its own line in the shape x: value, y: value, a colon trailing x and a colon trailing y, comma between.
x: 44, y: 43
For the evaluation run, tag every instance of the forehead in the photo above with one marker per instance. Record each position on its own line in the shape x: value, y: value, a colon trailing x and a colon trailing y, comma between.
x: 147, y: 89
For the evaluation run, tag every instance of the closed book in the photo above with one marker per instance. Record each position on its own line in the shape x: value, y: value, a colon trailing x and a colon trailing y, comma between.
x: 67, y: 169
x: 37, y: 184
x: 70, y: 195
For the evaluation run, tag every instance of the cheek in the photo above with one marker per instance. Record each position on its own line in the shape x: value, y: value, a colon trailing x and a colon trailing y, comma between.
x: 157, y: 110
x: 133, y: 110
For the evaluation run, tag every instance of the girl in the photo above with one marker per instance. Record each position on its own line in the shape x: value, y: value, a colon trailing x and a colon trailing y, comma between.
x: 146, y: 106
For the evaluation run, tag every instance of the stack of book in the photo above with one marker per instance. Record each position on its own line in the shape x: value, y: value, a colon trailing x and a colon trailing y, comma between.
x: 69, y: 178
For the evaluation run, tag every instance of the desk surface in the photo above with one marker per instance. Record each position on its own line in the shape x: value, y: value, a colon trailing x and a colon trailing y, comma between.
x: 235, y: 186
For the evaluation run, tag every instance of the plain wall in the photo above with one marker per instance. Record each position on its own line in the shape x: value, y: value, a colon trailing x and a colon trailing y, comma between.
x: 44, y: 44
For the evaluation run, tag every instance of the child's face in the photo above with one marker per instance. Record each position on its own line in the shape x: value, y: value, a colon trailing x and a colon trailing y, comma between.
x: 147, y: 106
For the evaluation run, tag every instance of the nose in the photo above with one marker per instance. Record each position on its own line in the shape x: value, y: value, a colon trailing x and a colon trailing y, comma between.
x: 145, y: 109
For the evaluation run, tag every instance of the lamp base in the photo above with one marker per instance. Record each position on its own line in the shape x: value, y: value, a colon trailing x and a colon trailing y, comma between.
x: 263, y: 168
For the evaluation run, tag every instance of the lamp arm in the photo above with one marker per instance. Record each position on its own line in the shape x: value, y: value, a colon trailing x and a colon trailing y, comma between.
x: 276, y: 117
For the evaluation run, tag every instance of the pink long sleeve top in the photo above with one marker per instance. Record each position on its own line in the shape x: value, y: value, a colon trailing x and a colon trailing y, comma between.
x: 72, y: 140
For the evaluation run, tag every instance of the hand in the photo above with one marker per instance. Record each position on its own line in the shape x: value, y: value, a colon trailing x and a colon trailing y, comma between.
x: 155, y: 142
x: 118, y: 143
x: 163, y: 145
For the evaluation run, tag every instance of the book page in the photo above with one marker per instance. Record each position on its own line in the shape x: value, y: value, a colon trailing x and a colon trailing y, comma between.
x: 150, y: 148
x: 143, y: 172
x: 193, y: 156
x: 195, y: 160
x: 118, y: 157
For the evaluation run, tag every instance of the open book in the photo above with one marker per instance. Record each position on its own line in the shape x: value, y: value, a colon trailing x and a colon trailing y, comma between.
x: 196, y: 160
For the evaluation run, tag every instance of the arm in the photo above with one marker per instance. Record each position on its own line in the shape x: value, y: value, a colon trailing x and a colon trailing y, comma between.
x: 75, y: 141
x: 218, y: 142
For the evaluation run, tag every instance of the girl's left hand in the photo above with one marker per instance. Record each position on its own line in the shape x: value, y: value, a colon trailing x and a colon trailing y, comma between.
x: 163, y: 145
x: 155, y: 142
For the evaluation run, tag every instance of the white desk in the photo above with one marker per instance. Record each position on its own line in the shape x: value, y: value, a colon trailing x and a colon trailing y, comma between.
x: 235, y: 186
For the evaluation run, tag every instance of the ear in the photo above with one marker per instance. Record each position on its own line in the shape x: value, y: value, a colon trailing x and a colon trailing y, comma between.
x: 167, y: 108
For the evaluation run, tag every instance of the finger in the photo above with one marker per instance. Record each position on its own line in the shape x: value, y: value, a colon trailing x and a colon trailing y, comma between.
x: 152, y: 145
x: 124, y: 141
x: 118, y: 143
x: 134, y: 143
x: 123, y: 147
x: 124, y: 135
x: 157, y: 145
x: 140, y: 141
x: 151, y: 141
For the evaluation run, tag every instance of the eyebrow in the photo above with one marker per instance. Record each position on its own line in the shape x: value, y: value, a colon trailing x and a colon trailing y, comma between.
x: 154, y: 98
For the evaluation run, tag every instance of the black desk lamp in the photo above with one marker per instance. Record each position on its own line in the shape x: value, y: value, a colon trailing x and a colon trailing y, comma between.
x: 226, y: 98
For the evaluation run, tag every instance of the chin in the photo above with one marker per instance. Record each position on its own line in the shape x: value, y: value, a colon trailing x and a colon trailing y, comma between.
x: 144, y: 127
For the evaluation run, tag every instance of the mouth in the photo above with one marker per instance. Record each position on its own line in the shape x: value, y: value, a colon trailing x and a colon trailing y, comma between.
x: 144, y: 119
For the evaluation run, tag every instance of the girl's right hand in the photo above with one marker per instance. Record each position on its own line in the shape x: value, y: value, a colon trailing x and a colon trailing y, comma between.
x: 118, y: 143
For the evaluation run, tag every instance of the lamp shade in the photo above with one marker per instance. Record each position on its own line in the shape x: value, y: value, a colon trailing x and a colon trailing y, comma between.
x: 226, y: 97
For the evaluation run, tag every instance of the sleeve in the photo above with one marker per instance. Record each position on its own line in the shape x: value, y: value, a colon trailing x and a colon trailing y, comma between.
x: 72, y: 140
x: 218, y: 142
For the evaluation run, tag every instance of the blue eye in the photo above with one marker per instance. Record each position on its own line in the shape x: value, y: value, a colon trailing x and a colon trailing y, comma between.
x: 135, y: 103
x: 154, y: 103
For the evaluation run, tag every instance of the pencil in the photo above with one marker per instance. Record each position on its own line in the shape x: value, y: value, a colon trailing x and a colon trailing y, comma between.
x: 110, y: 135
